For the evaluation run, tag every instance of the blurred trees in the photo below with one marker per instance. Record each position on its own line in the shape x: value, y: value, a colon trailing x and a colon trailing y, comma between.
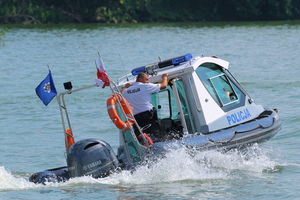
x: 115, y: 11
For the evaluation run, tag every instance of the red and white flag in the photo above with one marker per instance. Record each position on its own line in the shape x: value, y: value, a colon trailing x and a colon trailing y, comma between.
x: 102, y: 78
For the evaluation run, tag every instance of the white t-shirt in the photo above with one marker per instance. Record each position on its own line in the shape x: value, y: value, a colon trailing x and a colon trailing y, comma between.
x: 139, y: 96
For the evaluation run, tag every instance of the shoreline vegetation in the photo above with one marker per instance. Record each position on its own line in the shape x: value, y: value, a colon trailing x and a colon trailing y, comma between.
x: 145, y: 11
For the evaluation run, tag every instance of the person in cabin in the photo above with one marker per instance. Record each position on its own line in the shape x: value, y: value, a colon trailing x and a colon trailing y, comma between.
x: 138, y: 95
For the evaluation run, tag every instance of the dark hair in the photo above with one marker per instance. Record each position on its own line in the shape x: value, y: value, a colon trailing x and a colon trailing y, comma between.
x: 141, y: 75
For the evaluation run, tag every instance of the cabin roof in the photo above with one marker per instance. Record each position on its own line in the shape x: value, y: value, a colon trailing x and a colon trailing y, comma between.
x: 184, y: 67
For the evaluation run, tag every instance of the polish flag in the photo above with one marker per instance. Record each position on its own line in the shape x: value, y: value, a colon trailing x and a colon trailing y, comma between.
x: 102, y: 78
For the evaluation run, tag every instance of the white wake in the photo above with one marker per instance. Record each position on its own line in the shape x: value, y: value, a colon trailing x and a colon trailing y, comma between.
x: 177, y: 165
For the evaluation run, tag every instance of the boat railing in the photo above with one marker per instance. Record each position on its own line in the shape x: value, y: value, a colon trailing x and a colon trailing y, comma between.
x: 126, y: 78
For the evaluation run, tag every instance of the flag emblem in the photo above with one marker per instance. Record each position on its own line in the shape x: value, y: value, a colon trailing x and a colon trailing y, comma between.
x: 47, y: 87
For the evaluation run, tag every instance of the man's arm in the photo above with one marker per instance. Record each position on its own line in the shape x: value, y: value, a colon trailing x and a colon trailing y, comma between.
x: 164, y: 82
x: 127, y: 85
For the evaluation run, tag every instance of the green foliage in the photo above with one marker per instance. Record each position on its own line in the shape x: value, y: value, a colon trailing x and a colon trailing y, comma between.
x: 115, y: 11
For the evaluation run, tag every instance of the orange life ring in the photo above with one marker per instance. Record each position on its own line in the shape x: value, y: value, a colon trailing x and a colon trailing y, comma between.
x: 113, y: 114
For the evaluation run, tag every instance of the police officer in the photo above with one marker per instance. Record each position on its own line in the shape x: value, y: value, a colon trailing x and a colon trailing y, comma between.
x: 138, y: 94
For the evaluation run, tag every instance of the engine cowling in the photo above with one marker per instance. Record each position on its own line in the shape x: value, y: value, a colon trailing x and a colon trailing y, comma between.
x: 91, y: 157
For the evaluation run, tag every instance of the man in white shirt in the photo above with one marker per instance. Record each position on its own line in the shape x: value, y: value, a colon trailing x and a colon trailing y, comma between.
x: 138, y: 94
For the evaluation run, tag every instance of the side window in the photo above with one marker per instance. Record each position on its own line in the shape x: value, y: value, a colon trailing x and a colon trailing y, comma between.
x: 222, y: 89
x: 163, y: 110
x: 161, y: 103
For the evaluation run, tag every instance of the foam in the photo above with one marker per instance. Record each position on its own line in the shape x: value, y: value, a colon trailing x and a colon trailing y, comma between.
x: 177, y: 165
x: 8, y: 181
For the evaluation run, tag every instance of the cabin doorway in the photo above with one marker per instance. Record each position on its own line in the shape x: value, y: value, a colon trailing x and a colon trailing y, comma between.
x: 173, y: 111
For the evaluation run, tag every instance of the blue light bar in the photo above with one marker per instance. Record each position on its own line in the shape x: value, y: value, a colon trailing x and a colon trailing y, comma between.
x: 162, y: 64
x: 175, y: 61
x: 138, y: 70
x: 181, y: 59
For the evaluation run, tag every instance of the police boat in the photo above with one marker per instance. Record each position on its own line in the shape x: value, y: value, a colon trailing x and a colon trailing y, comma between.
x: 203, y: 107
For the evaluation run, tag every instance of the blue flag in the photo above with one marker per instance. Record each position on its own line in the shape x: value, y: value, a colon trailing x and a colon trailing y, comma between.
x: 46, y: 90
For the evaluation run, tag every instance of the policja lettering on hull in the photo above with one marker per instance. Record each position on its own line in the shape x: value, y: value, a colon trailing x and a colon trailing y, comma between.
x: 239, y: 116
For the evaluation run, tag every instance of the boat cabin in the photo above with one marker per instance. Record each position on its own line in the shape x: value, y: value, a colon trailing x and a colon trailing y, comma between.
x: 202, y: 96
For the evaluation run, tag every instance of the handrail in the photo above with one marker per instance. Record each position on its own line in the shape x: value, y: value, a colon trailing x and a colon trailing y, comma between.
x: 64, y: 111
x: 178, y: 102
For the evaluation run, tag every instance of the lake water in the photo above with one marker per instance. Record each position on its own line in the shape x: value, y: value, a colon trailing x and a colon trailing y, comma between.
x: 264, y: 57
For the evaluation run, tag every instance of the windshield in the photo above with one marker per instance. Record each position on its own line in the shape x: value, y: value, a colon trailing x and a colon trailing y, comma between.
x: 220, y: 86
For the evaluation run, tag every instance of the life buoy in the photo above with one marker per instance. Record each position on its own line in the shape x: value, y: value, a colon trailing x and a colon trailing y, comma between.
x: 113, y: 114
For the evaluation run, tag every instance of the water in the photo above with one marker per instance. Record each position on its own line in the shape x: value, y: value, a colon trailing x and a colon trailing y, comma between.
x: 264, y: 58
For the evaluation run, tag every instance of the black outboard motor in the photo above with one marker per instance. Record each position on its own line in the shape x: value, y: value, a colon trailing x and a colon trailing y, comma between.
x: 91, y: 157
x: 50, y: 175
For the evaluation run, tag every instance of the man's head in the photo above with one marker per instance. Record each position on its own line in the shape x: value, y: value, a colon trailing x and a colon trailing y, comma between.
x: 142, y: 77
